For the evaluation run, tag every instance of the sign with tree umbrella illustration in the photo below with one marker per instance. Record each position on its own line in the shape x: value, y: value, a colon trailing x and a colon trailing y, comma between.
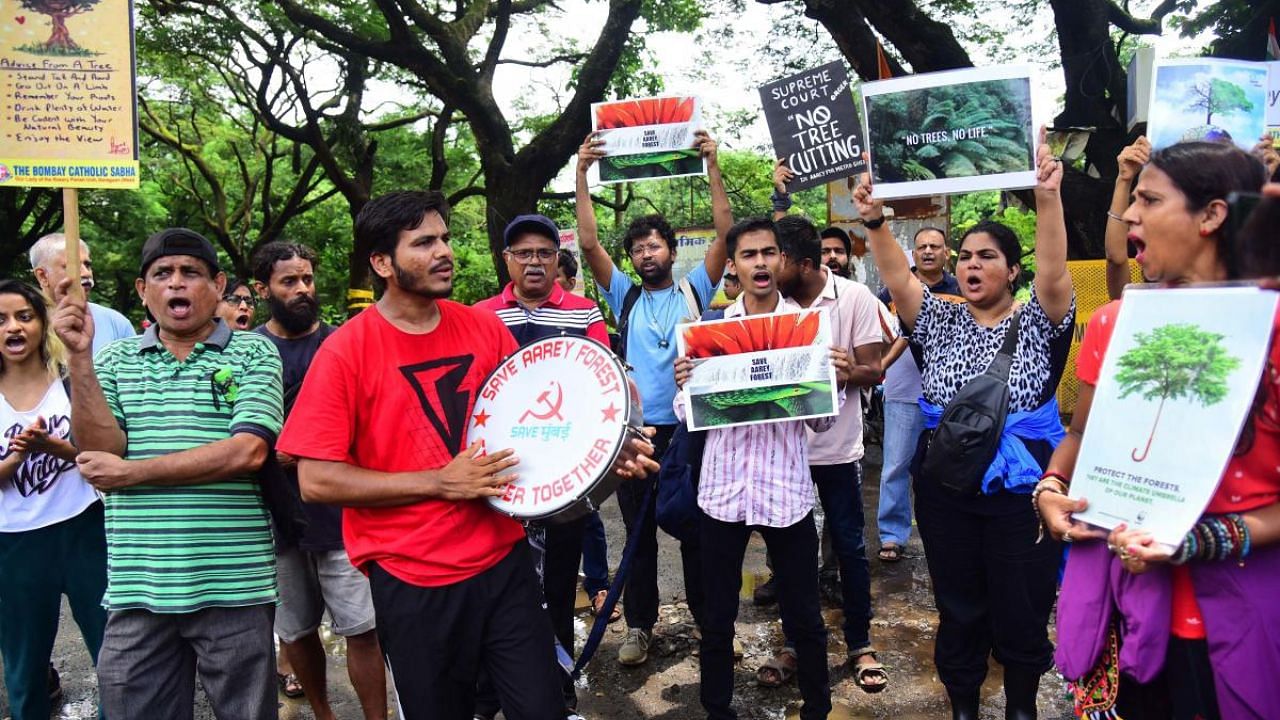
x: 1175, y: 362
x: 1177, y: 381
x: 1207, y: 99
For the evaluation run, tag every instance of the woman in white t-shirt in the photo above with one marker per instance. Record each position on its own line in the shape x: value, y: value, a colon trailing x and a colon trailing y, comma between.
x: 52, y: 540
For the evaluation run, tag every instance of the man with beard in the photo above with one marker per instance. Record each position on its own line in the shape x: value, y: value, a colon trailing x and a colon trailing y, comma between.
x: 647, y: 315
x: 836, y: 249
x: 534, y: 305
x: 903, y: 421
x: 835, y: 456
x: 380, y: 429
x: 313, y: 572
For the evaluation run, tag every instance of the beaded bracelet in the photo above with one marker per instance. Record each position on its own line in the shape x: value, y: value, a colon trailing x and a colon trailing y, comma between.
x: 1215, y: 538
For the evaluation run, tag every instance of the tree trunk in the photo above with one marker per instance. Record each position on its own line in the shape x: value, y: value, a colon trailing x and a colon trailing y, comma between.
x: 61, y: 37
x: 1139, y: 458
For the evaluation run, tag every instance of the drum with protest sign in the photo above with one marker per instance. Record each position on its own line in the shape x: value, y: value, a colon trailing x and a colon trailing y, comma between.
x: 567, y: 407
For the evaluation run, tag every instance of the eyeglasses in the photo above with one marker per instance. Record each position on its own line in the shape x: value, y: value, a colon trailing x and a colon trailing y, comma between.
x: 529, y: 255
x: 234, y: 299
x: 652, y: 248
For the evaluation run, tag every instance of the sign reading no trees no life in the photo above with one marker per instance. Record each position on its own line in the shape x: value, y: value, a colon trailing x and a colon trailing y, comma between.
x: 68, y: 94
x: 814, y: 125
x: 951, y: 132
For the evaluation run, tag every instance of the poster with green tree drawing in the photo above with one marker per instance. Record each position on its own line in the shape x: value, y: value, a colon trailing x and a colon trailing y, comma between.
x: 1176, y: 384
x: 1207, y: 99
x: 951, y: 132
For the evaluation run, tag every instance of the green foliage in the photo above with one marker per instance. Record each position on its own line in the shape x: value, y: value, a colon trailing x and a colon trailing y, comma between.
x: 1219, y: 97
x: 1177, y: 361
x: 947, y: 132
x: 970, y: 209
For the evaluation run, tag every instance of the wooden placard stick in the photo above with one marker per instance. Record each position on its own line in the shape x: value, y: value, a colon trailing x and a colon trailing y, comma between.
x: 71, y: 228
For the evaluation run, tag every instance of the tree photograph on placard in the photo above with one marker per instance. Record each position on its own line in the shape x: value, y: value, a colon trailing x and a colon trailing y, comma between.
x: 1175, y: 362
x: 951, y: 131
x: 1213, y: 101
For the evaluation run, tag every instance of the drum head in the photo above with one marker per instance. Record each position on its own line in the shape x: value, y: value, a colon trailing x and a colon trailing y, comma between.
x: 562, y: 403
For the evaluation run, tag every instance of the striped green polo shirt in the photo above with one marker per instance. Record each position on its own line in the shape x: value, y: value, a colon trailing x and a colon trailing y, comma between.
x: 180, y: 549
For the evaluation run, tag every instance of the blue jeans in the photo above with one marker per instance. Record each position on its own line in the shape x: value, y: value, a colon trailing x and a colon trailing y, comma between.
x: 903, y: 423
x: 840, y: 492
x: 595, y: 557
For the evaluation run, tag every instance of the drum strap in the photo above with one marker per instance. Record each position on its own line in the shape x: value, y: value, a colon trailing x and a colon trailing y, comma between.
x: 615, y: 589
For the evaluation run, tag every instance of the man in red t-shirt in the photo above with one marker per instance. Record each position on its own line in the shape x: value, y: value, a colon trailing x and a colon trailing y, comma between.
x: 379, y: 428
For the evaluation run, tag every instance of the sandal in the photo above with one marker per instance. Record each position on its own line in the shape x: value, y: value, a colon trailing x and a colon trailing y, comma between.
x: 869, y: 675
x: 890, y: 552
x: 289, y: 685
x: 597, y: 604
x: 777, y: 670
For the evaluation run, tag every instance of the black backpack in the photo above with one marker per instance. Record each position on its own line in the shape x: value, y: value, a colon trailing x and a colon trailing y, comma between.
x: 961, y: 448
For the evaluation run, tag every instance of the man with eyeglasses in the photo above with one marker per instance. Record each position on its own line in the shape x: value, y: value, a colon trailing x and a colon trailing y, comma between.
x: 534, y: 305
x: 237, y: 305
x: 647, y: 317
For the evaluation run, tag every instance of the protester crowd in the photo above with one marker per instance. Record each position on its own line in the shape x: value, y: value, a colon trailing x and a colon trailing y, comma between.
x: 202, y: 487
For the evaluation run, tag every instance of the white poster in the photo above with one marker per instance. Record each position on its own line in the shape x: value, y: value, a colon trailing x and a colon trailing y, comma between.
x: 1177, y: 382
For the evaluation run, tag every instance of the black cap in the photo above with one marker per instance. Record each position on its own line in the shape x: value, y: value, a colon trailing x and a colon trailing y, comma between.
x: 540, y: 224
x: 179, y: 241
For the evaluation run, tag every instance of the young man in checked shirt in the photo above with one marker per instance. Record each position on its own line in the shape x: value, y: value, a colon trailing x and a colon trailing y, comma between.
x: 756, y: 478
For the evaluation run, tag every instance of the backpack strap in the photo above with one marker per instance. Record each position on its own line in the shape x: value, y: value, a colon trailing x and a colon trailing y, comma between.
x: 692, y: 302
x: 624, y: 318
x: 1004, y: 356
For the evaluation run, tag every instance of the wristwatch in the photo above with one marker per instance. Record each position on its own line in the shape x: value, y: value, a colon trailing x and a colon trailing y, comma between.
x: 873, y: 224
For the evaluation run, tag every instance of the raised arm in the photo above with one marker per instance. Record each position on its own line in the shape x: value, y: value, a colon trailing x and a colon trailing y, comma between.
x: 93, y: 425
x: 781, y: 198
x: 588, y: 235
x: 1053, y: 282
x: 1116, y: 239
x: 905, y: 290
x: 721, y: 213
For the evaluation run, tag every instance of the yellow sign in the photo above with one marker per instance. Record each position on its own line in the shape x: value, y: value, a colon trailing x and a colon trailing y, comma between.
x: 1089, y: 278
x: 68, y: 94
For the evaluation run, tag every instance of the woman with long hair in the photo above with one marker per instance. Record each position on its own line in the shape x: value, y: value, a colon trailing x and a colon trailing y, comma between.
x: 1144, y: 633
x: 994, y: 586
x: 52, y: 540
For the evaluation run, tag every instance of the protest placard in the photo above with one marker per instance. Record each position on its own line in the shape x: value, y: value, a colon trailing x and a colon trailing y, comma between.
x: 1207, y: 99
x: 758, y: 369
x: 1273, y: 102
x: 67, y: 91
x: 951, y: 132
x: 647, y: 138
x: 814, y: 125
x: 1177, y: 382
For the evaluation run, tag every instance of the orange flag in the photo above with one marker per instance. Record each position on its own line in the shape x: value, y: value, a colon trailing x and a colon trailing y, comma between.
x: 883, y: 62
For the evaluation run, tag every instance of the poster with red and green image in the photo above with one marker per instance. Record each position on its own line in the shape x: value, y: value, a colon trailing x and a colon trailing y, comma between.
x: 758, y: 369
x: 648, y: 138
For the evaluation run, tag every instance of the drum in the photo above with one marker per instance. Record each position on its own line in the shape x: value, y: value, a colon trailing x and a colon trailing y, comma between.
x: 566, y: 406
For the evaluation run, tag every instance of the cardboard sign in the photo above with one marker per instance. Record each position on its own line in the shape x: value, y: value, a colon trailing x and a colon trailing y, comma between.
x: 758, y: 369
x: 814, y: 125
x: 1176, y: 384
x: 648, y: 138
x: 68, y: 95
x: 951, y: 132
x: 1207, y: 99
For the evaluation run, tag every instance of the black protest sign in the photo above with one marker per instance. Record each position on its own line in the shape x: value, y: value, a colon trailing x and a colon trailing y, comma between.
x: 814, y: 125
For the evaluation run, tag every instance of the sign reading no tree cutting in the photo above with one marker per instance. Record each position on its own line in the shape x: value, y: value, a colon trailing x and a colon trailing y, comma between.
x: 814, y: 125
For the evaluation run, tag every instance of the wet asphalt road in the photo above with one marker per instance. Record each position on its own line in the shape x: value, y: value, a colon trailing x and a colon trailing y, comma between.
x: 666, y: 687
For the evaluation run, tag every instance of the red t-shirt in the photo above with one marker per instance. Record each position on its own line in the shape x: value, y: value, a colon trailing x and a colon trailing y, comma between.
x: 1250, y: 481
x: 383, y: 399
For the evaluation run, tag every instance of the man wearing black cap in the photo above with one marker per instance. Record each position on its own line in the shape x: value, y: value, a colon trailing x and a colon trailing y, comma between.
x: 195, y: 408
x: 533, y: 306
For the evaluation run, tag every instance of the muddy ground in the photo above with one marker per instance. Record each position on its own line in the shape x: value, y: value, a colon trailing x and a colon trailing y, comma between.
x: 666, y: 688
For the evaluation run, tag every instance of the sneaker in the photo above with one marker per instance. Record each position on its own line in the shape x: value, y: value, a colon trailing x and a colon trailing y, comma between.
x: 766, y: 593
x: 635, y: 649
